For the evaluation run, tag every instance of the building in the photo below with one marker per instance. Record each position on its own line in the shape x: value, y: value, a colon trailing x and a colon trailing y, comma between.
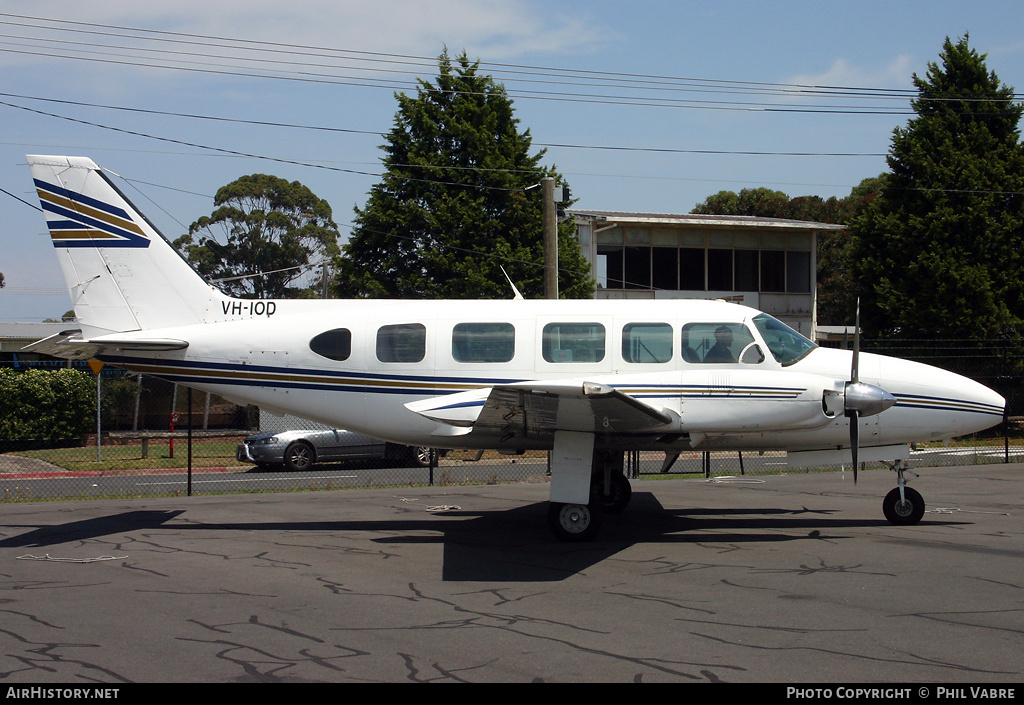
x: 15, y: 336
x: 766, y: 263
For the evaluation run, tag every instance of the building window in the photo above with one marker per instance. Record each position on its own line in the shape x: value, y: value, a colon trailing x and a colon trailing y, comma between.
x: 665, y: 268
x: 612, y: 274
x: 798, y: 272
x: 746, y: 270
x: 693, y: 260
x: 691, y: 269
x: 773, y: 270
x: 637, y: 267
x: 720, y: 270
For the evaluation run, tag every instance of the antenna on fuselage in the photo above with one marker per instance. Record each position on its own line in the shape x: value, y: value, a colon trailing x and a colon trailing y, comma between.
x: 518, y: 296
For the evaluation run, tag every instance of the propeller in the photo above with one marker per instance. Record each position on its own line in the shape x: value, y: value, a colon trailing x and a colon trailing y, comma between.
x: 861, y: 399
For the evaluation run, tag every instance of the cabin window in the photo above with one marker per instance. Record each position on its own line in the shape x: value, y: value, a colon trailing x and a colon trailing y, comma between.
x: 483, y: 342
x: 573, y: 342
x: 405, y: 342
x: 715, y: 343
x: 333, y: 344
x: 647, y: 342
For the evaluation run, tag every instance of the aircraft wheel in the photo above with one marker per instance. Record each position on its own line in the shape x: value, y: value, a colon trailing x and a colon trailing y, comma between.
x: 903, y: 512
x: 299, y: 456
x: 574, y: 522
x: 620, y: 492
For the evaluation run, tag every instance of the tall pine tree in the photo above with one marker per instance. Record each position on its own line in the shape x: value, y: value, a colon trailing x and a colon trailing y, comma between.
x: 452, y: 207
x: 938, y: 254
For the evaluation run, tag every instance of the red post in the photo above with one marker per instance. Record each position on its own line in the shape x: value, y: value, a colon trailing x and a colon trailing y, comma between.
x: 174, y: 417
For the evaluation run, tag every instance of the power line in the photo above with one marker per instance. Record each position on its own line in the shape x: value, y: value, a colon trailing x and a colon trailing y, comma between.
x: 563, y: 145
x: 370, y: 63
x: 581, y: 76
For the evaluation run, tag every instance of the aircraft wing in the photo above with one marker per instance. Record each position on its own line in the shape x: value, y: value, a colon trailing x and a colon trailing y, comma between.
x: 538, y: 409
x: 71, y: 345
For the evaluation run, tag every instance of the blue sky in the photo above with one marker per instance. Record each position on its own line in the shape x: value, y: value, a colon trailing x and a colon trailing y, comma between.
x: 648, y: 106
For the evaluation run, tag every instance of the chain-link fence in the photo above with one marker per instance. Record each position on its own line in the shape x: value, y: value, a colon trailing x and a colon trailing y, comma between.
x: 158, y: 440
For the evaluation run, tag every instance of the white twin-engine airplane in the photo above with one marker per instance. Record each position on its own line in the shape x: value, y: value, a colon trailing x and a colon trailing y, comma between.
x: 587, y: 380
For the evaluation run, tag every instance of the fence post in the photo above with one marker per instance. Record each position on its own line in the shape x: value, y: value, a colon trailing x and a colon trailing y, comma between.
x: 1006, y: 435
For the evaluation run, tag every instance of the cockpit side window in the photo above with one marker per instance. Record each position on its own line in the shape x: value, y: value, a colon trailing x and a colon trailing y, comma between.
x: 718, y: 343
x: 785, y: 344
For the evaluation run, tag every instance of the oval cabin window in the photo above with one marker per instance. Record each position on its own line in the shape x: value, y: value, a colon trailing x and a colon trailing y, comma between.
x: 333, y: 344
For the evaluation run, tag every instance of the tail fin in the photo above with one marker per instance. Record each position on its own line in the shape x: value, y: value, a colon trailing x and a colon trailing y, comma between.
x: 121, y: 273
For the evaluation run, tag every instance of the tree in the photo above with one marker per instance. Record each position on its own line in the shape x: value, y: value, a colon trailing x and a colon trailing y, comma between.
x: 937, y: 254
x: 761, y: 202
x: 456, y: 202
x: 837, y: 294
x: 268, y: 225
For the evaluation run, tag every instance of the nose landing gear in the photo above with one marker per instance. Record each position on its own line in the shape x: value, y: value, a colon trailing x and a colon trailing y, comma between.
x: 903, y: 506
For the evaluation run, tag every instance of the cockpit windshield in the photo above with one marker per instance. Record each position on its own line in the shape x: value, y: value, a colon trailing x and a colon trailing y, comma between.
x: 785, y: 344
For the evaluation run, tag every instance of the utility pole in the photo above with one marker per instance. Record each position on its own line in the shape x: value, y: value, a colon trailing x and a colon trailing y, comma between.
x: 550, y: 239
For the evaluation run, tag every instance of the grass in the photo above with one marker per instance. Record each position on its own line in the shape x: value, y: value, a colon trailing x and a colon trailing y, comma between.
x: 129, y: 457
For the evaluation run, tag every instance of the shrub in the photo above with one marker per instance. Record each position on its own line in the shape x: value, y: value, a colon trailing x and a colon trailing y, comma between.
x: 46, y: 404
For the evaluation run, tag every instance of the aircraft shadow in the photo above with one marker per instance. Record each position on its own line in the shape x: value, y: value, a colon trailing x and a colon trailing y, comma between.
x: 512, y: 545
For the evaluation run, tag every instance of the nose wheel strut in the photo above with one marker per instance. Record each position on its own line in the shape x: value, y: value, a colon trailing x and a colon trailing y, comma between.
x: 903, y: 505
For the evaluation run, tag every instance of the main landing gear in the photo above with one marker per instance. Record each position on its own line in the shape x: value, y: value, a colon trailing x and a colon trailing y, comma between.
x: 903, y: 506
x: 610, y: 493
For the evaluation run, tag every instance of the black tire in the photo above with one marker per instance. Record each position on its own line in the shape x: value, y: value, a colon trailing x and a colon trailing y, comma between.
x: 903, y: 513
x: 620, y: 492
x: 299, y: 456
x: 575, y: 522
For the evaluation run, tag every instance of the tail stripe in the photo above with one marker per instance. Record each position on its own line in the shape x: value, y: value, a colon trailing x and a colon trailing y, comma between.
x: 87, y: 222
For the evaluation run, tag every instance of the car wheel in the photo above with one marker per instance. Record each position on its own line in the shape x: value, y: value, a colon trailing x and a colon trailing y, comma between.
x: 299, y: 456
x: 421, y: 456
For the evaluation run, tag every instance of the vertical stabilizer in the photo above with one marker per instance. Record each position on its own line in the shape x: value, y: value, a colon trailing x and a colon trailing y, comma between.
x: 121, y: 273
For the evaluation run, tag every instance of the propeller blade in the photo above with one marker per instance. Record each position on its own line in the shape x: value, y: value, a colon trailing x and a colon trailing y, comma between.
x: 855, y: 365
x: 854, y: 440
x: 854, y: 414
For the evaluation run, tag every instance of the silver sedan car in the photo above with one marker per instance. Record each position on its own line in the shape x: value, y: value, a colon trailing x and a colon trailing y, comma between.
x: 298, y: 450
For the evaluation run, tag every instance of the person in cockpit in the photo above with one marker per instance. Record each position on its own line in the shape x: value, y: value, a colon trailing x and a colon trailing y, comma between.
x: 721, y: 351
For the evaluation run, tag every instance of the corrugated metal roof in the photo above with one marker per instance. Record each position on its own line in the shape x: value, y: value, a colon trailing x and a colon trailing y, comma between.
x: 699, y: 220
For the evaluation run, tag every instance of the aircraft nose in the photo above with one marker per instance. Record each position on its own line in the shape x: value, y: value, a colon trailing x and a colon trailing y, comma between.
x: 954, y: 405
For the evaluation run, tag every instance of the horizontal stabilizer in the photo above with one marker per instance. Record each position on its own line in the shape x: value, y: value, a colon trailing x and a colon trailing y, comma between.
x: 70, y: 345
x: 538, y: 409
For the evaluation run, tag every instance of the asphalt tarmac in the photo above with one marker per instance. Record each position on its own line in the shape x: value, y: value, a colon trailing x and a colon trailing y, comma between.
x: 764, y: 579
